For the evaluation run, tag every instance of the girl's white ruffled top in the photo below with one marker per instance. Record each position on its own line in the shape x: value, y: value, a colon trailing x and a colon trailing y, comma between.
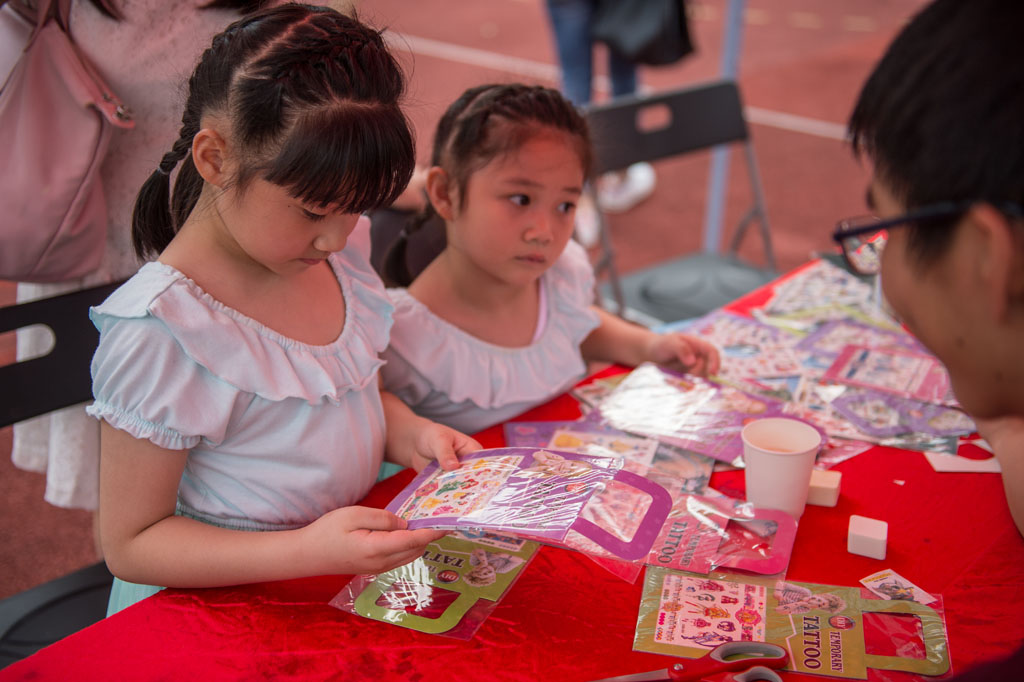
x: 279, y: 432
x: 452, y: 377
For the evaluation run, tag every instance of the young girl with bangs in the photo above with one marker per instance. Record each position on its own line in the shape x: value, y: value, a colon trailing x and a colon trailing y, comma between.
x: 236, y: 377
x: 503, y: 319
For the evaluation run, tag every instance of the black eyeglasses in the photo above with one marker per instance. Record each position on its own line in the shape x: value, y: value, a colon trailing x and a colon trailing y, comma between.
x: 863, y: 238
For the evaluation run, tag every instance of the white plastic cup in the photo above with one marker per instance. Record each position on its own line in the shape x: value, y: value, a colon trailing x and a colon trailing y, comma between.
x: 778, y: 454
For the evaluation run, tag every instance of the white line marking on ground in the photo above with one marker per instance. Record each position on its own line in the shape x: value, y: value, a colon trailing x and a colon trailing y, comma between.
x: 549, y: 73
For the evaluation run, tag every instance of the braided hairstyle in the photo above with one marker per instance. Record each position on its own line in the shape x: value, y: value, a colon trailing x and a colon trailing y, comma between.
x: 312, y: 97
x: 485, y: 123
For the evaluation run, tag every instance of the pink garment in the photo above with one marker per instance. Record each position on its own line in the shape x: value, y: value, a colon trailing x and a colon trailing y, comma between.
x: 146, y: 58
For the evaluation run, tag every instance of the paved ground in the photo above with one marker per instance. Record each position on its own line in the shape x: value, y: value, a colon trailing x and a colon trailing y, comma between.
x: 802, y: 64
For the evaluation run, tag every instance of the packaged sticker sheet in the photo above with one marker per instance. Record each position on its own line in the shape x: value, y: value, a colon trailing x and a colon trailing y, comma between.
x: 691, y: 469
x: 822, y: 627
x: 905, y: 373
x: 883, y: 415
x: 591, y: 394
x: 782, y: 388
x: 889, y: 584
x: 537, y: 434
x: 820, y: 284
x: 803, y: 322
x: 693, y: 413
x: 704, y: 533
x: 448, y: 591
x: 826, y: 342
x: 749, y: 348
x: 635, y: 450
x: 531, y: 492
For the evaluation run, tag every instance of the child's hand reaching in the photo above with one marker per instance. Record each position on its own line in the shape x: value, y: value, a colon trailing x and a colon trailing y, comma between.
x: 354, y: 540
x: 685, y: 352
x: 413, y: 441
x: 435, y: 441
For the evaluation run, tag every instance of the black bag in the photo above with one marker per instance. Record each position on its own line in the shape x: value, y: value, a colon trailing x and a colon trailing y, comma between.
x: 653, y: 32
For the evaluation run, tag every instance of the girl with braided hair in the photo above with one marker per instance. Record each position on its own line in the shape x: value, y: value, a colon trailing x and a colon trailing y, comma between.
x: 502, y: 319
x: 236, y: 375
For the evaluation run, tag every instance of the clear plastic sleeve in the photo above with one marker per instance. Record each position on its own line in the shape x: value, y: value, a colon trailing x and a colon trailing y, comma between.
x: 687, y: 411
x: 449, y: 591
x: 531, y: 492
x: 701, y: 534
x: 827, y: 630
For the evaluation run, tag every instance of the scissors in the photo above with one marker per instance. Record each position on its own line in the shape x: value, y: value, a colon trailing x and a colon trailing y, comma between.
x: 744, y: 661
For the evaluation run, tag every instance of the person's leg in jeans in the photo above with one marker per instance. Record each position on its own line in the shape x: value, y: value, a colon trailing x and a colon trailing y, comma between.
x: 570, y: 23
x: 620, y: 191
x: 622, y: 73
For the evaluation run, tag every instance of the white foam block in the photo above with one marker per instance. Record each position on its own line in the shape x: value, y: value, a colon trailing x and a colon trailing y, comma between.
x: 824, y: 490
x: 867, y: 537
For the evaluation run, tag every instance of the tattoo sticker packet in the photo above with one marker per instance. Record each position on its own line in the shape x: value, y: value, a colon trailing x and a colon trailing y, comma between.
x: 822, y: 627
x: 448, y: 591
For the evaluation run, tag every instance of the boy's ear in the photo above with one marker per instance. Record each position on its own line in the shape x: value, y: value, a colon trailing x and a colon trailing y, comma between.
x: 440, y: 192
x: 1001, y: 266
x: 208, y: 154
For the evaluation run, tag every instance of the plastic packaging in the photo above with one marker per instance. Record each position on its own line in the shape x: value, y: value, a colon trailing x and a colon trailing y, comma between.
x: 702, y: 533
x: 687, y: 411
x: 448, y: 591
x: 826, y: 629
x: 533, y: 493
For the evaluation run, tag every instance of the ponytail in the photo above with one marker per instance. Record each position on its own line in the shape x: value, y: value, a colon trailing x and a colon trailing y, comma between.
x: 155, y: 220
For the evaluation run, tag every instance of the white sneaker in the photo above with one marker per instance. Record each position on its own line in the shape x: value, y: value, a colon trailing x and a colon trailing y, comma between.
x: 588, y: 223
x: 618, y: 192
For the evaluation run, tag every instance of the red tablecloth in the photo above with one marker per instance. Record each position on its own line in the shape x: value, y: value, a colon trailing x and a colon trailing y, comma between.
x: 565, y: 618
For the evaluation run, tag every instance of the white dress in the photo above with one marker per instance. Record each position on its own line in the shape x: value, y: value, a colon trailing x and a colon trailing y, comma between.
x: 147, y: 59
x: 454, y: 378
x: 278, y: 432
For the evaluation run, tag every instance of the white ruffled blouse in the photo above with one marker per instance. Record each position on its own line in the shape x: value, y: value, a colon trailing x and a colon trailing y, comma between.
x: 279, y: 432
x: 454, y: 378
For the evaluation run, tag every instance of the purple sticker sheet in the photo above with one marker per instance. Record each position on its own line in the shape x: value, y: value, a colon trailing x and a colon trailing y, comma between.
x: 538, y: 434
x: 828, y: 340
x: 687, y: 411
x: 819, y: 284
x: 884, y: 414
x: 691, y: 468
x: 537, y: 493
x: 906, y: 373
x: 749, y: 348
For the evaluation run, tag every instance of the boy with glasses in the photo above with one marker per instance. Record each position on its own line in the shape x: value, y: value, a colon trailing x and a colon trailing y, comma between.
x: 941, y: 121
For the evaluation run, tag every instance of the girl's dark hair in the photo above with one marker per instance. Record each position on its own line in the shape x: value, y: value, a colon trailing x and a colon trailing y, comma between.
x: 312, y: 97
x: 485, y: 123
x: 941, y: 114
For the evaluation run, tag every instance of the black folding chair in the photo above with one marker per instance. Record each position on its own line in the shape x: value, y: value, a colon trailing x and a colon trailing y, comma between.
x: 699, y: 118
x: 43, y: 614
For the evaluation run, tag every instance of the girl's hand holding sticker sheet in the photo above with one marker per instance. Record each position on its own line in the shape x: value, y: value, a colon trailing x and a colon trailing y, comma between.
x: 530, y: 492
x: 449, y: 590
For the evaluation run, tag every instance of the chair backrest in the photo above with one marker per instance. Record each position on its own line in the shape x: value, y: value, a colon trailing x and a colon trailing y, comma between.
x: 421, y: 247
x: 60, y: 378
x: 697, y: 118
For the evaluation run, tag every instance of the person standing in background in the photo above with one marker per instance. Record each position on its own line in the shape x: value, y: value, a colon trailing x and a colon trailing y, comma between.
x: 571, y: 22
x: 145, y: 50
